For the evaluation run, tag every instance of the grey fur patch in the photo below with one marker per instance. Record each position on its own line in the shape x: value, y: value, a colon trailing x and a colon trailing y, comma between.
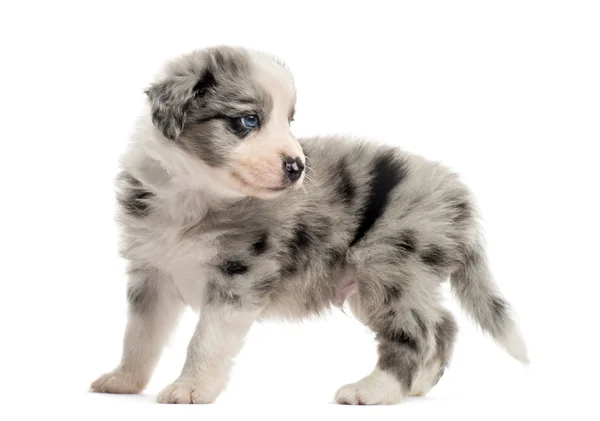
x: 420, y: 322
x: 399, y: 360
x: 392, y: 292
x: 141, y: 296
x: 334, y: 258
x: 402, y: 338
x: 499, y: 308
x: 234, y: 267
x: 435, y: 257
x: 219, y: 294
x: 406, y: 242
x: 265, y: 286
x: 462, y: 210
x: 170, y: 100
x: 445, y: 336
x: 400, y: 347
x: 134, y: 197
x: 473, y: 285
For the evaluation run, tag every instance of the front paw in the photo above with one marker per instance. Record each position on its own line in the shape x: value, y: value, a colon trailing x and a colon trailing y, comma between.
x: 118, y: 382
x: 186, y: 391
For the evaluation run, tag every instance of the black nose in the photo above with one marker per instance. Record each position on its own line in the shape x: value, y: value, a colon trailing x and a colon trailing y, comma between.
x: 293, y: 168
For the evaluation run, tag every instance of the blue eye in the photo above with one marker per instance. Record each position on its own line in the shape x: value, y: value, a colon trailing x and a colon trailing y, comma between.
x: 250, y: 121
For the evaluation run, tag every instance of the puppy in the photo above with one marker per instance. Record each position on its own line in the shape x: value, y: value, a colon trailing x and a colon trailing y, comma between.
x: 224, y: 210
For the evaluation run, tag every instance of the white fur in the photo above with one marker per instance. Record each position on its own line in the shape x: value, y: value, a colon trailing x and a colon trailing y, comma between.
x: 425, y: 378
x: 218, y: 338
x: 378, y: 388
x: 512, y: 340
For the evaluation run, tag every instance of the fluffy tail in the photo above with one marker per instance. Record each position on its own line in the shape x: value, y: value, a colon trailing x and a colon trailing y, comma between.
x: 479, y: 296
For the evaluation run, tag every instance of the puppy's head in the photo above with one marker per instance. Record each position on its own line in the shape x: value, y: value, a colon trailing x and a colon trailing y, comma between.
x: 231, y: 109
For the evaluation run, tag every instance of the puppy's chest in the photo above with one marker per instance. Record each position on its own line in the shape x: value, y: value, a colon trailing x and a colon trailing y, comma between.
x: 186, y: 259
x: 172, y: 237
x: 197, y: 251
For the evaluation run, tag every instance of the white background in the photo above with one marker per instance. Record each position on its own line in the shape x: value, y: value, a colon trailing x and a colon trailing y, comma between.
x: 506, y: 93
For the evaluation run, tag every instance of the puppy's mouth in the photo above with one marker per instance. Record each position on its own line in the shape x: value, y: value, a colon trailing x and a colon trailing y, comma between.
x: 276, y: 188
x: 254, y: 187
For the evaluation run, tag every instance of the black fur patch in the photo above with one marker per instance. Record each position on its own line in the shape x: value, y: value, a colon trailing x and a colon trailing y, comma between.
x: 206, y: 82
x: 135, y: 198
x: 306, y: 241
x: 387, y: 172
x: 401, y: 337
x: 261, y: 245
x: 346, y: 186
x: 302, y: 237
x: 234, y: 267
x: 300, y: 240
x: 434, y: 257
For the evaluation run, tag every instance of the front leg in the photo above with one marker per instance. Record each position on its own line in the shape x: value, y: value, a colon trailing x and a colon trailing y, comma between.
x: 218, y: 338
x: 154, y: 308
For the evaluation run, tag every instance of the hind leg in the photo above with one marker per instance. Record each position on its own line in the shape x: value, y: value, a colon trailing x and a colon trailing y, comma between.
x: 405, y: 343
x: 400, y: 303
x: 398, y: 297
x: 431, y: 370
x: 413, y: 352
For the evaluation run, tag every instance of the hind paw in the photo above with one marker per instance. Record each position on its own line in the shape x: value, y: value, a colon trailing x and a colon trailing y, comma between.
x: 378, y: 388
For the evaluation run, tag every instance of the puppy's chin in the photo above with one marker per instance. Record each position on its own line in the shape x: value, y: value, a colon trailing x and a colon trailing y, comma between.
x: 274, y: 193
x: 267, y: 194
x: 248, y: 187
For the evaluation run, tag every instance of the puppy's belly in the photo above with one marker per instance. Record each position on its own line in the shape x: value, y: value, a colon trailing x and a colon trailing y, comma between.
x: 346, y: 287
x: 310, y: 296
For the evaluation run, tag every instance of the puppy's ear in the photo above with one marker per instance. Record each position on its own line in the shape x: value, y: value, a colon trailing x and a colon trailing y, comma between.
x: 171, y: 98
